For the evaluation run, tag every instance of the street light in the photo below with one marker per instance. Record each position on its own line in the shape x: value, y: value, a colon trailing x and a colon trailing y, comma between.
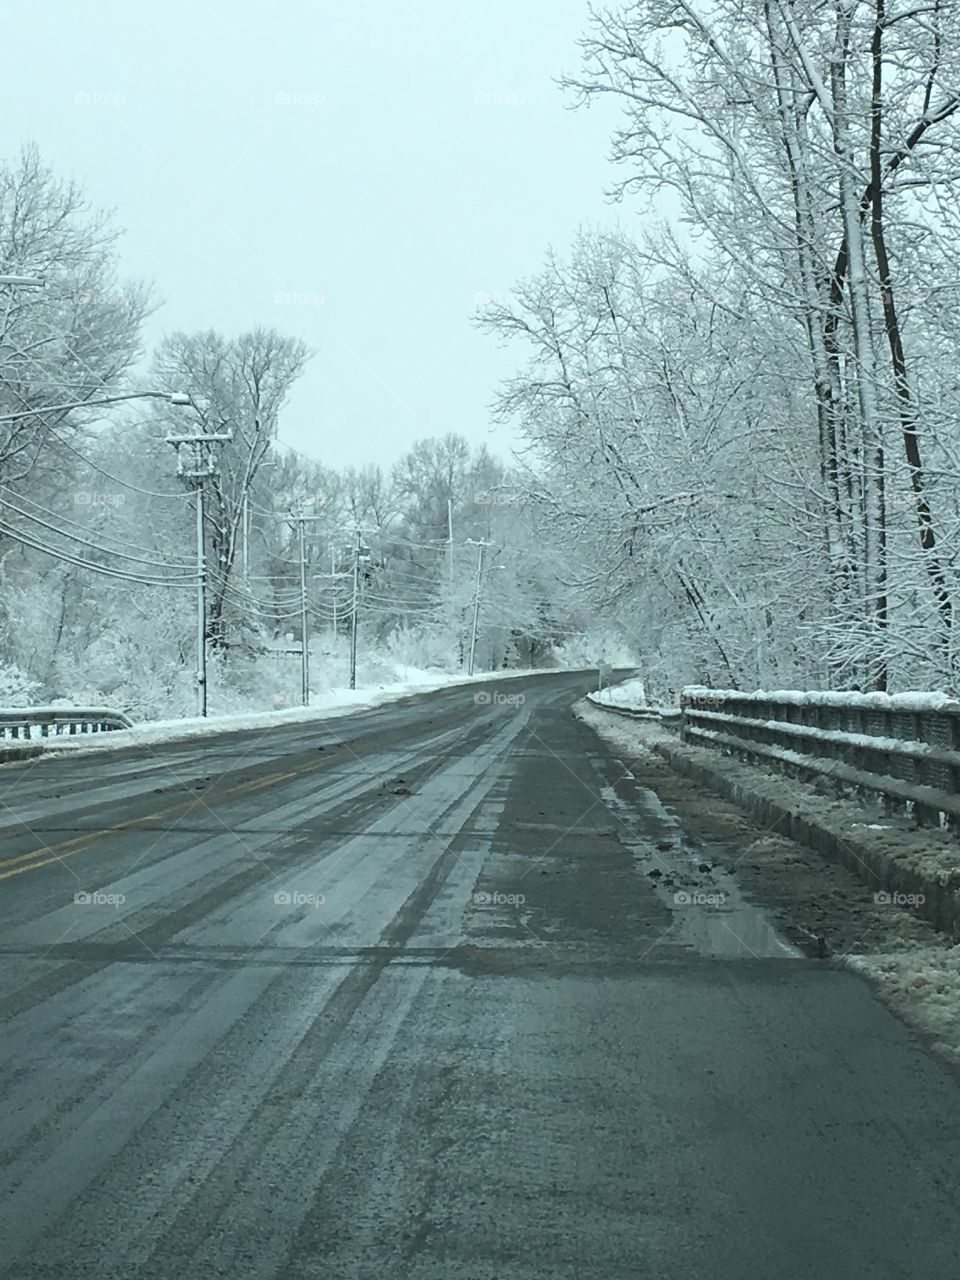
x: 24, y: 282
x: 171, y: 397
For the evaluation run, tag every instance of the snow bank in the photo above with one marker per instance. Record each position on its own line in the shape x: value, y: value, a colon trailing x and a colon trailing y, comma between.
x: 894, y: 857
x: 631, y: 694
x: 922, y: 986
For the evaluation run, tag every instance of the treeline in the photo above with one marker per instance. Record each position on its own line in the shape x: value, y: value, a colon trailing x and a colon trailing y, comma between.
x: 98, y: 564
x: 749, y: 414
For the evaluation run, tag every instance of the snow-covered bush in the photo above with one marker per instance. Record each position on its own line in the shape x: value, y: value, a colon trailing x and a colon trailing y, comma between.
x: 16, y: 688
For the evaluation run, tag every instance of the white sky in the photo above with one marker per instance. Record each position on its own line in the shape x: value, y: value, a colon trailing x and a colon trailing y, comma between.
x: 335, y: 154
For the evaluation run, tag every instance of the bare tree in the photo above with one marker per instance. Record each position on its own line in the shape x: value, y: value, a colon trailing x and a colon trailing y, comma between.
x: 814, y: 149
x: 236, y: 384
x: 70, y: 341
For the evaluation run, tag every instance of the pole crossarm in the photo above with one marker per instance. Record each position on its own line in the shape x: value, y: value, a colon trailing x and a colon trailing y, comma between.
x: 204, y: 463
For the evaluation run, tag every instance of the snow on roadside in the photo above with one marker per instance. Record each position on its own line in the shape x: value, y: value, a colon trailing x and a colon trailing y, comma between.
x: 635, y: 736
x: 631, y: 693
x: 328, y: 705
x: 921, y: 700
x: 914, y: 970
x: 929, y: 853
x: 922, y: 986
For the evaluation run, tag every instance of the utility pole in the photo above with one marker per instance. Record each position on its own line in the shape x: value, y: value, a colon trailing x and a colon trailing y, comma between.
x: 202, y: 464
x: 304, y: 646
x: 201, y: 608
x: 450, y: 538
x: 245, y: 535
x: 299, y: 521
x: 333, y: 588
x: 356, y: 605
x: 481, y: 546
x: 245, y: 519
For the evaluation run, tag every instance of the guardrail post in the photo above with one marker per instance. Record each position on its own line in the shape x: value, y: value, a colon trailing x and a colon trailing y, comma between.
x: 52, y: 722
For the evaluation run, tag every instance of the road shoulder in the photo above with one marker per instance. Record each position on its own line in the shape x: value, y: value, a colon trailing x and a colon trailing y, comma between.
x: 820, y: 905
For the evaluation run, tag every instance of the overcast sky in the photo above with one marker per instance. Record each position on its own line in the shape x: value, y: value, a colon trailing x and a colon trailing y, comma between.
x: 355, y: 173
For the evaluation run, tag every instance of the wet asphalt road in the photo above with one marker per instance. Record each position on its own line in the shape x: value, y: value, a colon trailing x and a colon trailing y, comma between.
x: 395, y: 996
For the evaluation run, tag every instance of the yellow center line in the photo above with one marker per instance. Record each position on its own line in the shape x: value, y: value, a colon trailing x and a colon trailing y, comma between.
x: 67, y: 848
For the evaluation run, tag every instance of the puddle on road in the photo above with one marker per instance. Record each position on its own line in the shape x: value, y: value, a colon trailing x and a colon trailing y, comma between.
x: 710, y: 914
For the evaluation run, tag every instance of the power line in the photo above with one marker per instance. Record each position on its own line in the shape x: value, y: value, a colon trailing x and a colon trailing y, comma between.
x: 56, y: 515
x: 150, y: 493
x: 120, y: 555
x: 64, y: 556
x: 437, y: 545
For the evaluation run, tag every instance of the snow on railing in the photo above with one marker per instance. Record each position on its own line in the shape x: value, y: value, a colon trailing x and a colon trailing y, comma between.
x: 904, y: 747
x: 26, y: 723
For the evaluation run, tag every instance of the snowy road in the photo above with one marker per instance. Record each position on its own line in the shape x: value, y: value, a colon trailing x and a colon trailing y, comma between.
x: 397, y: 997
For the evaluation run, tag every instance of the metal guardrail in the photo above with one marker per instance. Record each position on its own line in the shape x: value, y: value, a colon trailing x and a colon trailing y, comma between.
x: 25, y: 724
x: 904, y: 748
x: 667, y: 716
x: 632, y: 713
x: 661, y: 715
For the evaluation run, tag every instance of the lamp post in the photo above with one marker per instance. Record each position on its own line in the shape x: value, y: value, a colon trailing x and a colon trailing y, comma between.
x: 171, y: 397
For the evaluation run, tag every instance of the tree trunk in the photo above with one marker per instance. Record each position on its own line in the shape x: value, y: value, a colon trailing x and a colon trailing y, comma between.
x: 865, y: 357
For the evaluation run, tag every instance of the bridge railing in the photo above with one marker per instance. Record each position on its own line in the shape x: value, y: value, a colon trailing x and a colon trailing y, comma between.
x: 903, y: 748
x: 25, y: 724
